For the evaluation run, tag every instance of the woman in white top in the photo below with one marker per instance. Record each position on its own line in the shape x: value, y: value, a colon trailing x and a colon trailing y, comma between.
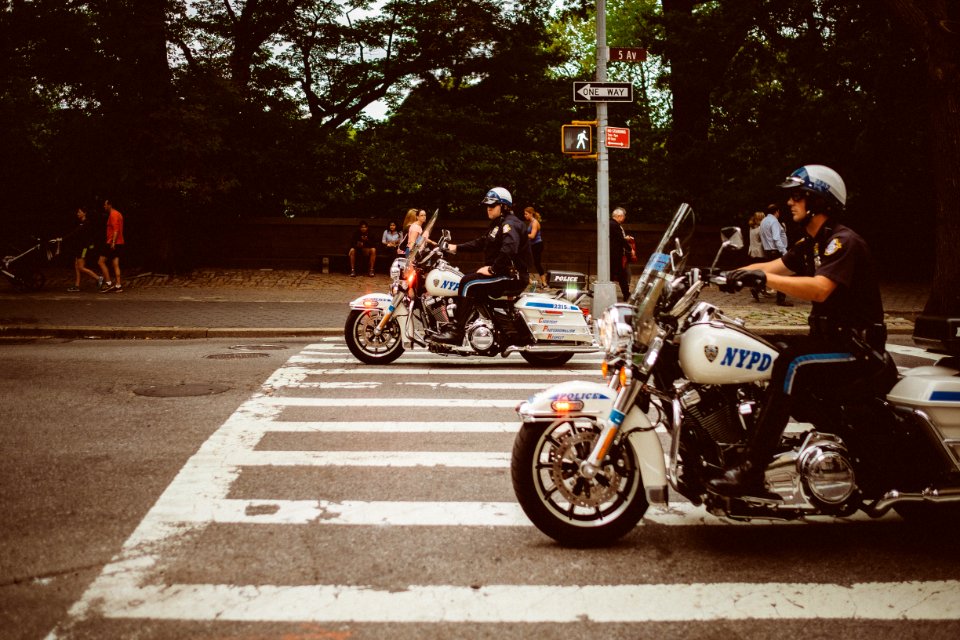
x: 413, y: 226
x: 756, y: 247
x: 755, y: 250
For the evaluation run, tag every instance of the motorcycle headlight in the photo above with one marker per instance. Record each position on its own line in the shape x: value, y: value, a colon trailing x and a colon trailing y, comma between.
x: 396, y: 269
x: 615, y: 327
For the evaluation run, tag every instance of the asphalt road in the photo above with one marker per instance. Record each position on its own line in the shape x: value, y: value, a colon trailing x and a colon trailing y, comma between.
x: 132, y: 509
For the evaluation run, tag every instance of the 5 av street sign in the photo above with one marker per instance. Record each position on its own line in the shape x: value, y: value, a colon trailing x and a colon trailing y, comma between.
x: 602, y: 92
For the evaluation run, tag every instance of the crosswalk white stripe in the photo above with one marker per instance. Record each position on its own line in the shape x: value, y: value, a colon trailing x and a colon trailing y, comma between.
x: 505, y: 386
x: 916, y: 352
x: 424, y: 358
x: 935, y: 600
x: 387, y: 427
x: 471, y: 459
x: 449, y: 403
x: 440, y: 514
x: 446, y: 372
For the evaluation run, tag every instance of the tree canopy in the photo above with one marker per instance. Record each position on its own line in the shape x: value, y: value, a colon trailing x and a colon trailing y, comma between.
x: 200, y: 112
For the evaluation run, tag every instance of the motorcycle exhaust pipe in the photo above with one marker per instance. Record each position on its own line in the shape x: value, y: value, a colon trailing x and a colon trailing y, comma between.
x: 928, y: 496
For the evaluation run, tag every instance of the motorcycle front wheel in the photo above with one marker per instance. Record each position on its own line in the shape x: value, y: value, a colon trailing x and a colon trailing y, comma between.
x: 561, y: 502
x: 365, y: 344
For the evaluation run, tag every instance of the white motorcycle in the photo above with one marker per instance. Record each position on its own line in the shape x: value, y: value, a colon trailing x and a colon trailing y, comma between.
x: 587, y: 460
x: 546, y: 330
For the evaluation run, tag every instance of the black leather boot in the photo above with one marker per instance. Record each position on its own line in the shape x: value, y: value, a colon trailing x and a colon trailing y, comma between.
x: 453, y: 334
x: 747, y: 478
x: 742, y: 480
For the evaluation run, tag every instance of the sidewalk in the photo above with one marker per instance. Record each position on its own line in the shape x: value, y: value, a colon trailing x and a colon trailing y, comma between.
x: 277, y: 303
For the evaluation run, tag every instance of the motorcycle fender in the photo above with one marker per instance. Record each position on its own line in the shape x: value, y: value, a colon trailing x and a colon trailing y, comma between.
x: 383, y: 302
x: 372, y: 301
x: 597, y: 402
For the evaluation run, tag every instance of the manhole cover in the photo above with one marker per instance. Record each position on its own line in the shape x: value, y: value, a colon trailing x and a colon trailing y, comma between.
x: 237, y: 356
x: 181, y: 390
x: 258, y: 347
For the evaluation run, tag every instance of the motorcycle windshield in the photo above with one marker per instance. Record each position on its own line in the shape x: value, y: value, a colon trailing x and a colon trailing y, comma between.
x: 665, y: 261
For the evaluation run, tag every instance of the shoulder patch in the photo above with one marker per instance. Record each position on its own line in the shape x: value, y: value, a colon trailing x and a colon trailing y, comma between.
x: 833, y: 247
x: 506, y: 228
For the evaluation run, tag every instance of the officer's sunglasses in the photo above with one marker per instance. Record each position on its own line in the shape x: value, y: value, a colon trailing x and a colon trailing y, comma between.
x: 797, y: 196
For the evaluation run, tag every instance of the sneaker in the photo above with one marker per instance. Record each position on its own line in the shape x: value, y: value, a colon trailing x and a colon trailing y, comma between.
x: 107, y: 287
x: 99, y: 283
x: 73, y: 289
x: 353, y: 274
x: 117, y: 289
x: 371, y: 274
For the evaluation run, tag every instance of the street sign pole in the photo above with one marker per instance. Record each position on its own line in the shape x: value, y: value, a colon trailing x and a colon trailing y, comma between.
x: 604, y: 291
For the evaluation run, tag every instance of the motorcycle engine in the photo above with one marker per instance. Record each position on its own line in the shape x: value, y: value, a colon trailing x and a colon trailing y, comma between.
x: 827, y: 472
x: 818, y: 474
x: 437, y: 308
x: 717, y: 411
x: 482, y: 337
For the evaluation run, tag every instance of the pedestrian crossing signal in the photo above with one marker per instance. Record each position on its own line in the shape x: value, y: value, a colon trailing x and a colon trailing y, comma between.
x: 577, y: 139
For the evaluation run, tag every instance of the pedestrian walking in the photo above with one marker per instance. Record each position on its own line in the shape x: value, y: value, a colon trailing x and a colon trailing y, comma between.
x: 112, y: 250
x: 621, y: 251
x: 84, y: 242
x: 534, y: 233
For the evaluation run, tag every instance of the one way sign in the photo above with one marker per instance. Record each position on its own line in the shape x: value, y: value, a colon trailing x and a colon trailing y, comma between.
x: 602, y: 92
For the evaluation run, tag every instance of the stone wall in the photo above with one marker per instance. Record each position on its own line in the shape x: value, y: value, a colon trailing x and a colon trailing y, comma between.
x: 301, y: 243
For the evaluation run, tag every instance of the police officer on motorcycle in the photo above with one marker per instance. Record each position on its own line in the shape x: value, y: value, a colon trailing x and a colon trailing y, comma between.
x: 506, y: 255
x: 831, y: 266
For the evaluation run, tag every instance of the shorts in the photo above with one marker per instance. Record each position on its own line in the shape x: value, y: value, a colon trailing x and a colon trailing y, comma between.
x: 112, y: 254
x: 83, y: 252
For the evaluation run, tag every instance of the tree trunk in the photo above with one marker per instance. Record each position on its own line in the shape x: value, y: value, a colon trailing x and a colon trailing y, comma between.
x: 936, y: 35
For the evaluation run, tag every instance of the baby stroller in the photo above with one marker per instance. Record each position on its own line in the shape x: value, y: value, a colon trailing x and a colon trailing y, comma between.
x: 24, y: 269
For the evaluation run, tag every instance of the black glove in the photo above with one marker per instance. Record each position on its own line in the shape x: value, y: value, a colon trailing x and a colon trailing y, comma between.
x: 748, y: 278
x: 730, y: 286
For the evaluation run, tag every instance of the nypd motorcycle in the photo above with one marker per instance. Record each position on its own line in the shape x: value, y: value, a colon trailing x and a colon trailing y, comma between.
x: 546, y: 330
x: 588, y: 459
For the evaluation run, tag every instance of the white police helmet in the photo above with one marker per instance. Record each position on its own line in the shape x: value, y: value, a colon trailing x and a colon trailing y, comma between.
x: 820, y: 180
x: 498, y: 195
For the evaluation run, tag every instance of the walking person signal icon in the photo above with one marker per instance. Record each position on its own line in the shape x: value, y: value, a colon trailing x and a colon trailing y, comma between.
x: 577, y: 139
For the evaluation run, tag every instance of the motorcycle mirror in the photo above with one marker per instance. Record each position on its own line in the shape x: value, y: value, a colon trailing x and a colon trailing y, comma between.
x: 732, y: 239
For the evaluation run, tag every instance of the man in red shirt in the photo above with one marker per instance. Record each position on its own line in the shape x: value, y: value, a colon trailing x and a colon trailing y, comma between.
x: 113, y: 249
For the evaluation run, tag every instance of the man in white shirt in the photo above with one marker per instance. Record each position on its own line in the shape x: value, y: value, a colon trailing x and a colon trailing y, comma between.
x: 773, y: 237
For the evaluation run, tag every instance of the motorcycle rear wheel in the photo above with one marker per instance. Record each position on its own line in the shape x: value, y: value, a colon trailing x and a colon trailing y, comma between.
x: 365, y: 345
x: 562, y: 503
x: 546, y: 359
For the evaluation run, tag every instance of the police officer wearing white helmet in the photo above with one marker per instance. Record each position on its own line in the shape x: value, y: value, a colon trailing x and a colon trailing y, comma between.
x: 506, y: 255
x: 832, y: 267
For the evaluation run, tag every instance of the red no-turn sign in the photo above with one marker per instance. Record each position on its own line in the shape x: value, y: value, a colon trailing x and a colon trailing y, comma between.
x: 617, y: 137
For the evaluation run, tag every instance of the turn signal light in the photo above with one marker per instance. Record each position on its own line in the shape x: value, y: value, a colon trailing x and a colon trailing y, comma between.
x: 563, y: 405
x: 370, y: 304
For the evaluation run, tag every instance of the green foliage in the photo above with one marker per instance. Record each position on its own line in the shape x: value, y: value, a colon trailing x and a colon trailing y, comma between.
x: 204, y: 111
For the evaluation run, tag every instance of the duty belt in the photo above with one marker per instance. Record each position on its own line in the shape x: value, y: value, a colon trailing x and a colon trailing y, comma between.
x: 874, y: 334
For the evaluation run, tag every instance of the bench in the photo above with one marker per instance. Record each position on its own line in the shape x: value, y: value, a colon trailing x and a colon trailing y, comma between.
x: 340, y: 263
